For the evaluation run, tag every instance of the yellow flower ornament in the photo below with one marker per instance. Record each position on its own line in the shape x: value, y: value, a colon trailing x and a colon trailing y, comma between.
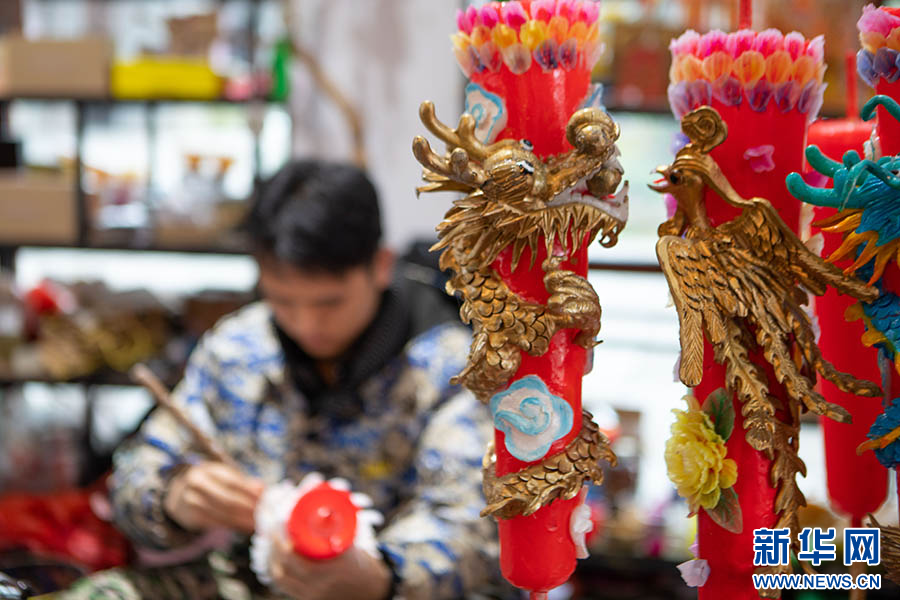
x: 696, y: 459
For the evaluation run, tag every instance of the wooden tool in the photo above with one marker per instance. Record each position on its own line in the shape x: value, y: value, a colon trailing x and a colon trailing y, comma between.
x: 143, y: 375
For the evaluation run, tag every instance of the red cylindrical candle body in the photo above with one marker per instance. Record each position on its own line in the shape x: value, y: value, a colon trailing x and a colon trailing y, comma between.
x: 767, y: 87
x: 537, y: 552
x: 322, y: 524
x: 544, y: 101
x: 730, y: 555
x: 749, y: 130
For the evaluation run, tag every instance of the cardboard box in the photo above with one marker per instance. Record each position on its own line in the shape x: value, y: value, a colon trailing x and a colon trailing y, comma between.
x: 37, y: 209
x: 220, y: 233
x: 65, y: 68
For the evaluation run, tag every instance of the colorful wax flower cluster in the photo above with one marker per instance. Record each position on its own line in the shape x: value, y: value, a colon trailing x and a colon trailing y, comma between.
x: 697, y: 463
x: 696, y: 458
x: 552, y: 33
x: 747, y: 66
x: 879, y: 34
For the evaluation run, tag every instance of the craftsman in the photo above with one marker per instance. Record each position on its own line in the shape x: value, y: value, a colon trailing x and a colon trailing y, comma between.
x: 343, y: 368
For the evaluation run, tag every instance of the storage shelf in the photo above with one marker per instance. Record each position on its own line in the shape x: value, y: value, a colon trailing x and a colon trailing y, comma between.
x: 111, y: 100
x: 639, y: 109
x: 236, y: 250
x: 627, y: 267
x: 100, y: 378
x: 231, y: 250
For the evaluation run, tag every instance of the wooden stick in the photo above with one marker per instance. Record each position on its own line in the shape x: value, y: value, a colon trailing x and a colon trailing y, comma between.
x: 147, y: 378
x: 745, y: 18
x: 349, y: 111
x: 857, y: 569
x: 850, y: 78
x: 694, y: 17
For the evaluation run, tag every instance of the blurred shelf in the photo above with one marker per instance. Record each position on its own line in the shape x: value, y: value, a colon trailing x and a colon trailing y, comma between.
x: 99, y: 378
x: 237, y: 249
x: 213, y: 249
x: 640, y: 109
x: 111, y: 100
x: 627, y: 267
x: 105, y: 376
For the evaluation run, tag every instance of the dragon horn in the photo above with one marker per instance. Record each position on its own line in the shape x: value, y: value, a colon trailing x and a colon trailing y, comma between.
x: 820, y: 162
x: 861, y: 170
x: 462, y: 137
x: 809, y: 194
x: 850, y: 158
x: 889, y: 104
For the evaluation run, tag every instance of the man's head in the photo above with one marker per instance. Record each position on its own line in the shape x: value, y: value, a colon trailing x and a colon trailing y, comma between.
x: 316, y: 232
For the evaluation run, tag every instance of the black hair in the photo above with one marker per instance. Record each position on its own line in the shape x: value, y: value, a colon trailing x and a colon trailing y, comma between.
x: 317, y: 216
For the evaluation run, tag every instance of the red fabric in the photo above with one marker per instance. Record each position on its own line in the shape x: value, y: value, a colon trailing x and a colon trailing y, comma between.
x: 61, y: 525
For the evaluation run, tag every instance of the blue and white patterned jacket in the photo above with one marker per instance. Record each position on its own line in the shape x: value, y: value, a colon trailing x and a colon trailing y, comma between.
x: 416, y: 450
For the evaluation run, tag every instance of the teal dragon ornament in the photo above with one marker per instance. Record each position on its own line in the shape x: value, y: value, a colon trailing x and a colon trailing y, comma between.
x: 866, y: 195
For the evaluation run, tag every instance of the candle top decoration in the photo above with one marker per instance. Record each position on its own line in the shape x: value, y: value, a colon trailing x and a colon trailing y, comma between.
x: 519, y: 34
x: 879, y: 34
x: 747, y: 66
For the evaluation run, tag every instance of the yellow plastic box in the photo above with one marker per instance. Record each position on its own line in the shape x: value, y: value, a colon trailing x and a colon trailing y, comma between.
x: 165, y: 77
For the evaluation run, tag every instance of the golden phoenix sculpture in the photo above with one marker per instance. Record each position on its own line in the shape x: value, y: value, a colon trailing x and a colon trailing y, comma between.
x: 742, y: 285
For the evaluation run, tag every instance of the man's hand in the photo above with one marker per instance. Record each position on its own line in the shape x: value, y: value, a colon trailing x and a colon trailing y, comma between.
x: 212, y: 494
x: 354, y: 575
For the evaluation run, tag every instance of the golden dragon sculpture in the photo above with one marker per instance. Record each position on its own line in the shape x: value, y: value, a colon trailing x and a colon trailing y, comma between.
x: 515, y: 200
x: 742, y: 285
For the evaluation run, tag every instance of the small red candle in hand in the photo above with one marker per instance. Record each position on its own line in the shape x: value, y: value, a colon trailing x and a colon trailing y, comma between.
x: 323, y: 523
x: 322, y: 519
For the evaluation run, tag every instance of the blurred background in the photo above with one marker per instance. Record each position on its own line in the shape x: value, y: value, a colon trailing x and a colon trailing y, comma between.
x: 132, y: 133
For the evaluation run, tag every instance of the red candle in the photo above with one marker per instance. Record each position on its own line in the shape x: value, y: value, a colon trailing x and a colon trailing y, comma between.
x: 529, y: 67
x: 322, y: 524
x: 877, y: 67
x: 745, y: 21
x: 767, y: 87
x: 856, y: 484
x: 537, y: 552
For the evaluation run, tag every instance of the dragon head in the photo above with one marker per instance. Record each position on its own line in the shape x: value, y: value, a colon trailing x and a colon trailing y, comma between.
x: 866, y: 194
x: 513, y: 197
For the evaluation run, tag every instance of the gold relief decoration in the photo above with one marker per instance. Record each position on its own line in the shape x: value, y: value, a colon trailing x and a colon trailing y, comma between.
x: 515, y: 200
x: 743, y: 285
